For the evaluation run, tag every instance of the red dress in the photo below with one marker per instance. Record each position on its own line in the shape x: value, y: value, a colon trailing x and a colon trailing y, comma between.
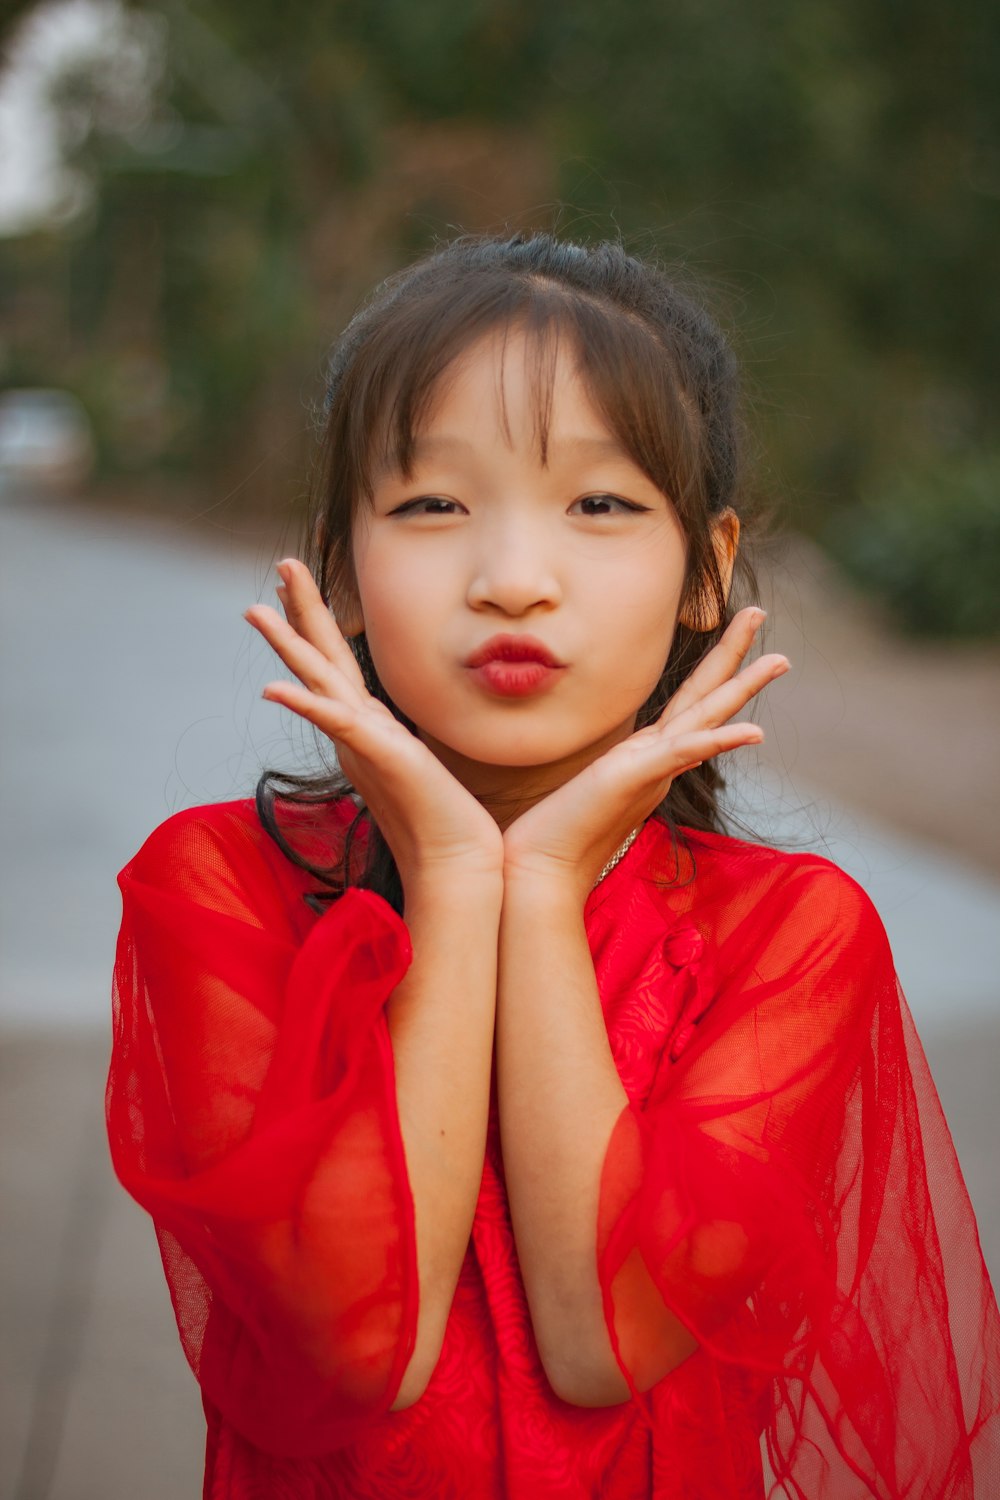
x: 783, y: 1168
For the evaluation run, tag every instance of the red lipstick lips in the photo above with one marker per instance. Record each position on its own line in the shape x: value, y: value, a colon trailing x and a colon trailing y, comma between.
x: 514, y: 666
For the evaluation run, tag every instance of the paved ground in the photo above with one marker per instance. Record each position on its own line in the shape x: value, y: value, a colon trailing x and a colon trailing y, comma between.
x: 134, y: 691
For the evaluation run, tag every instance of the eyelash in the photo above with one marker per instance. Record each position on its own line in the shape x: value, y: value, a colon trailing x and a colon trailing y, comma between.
x: 409, y: 507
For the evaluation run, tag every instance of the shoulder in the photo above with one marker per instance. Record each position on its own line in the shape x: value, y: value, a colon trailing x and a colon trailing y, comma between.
x: 217, y: 831
x: 770, y: 896
x: 223, y: 847
x: 769, y: 874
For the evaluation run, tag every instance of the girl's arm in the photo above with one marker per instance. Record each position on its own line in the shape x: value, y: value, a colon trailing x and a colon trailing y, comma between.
x: 560, y: 1097
x: 303, y: 1112
x: 441, y: 1024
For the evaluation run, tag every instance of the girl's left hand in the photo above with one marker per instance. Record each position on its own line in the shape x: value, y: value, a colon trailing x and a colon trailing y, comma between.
x: 570, y: 835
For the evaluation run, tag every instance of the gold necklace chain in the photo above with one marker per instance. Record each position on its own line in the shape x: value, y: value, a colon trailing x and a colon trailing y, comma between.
x: 619, y: 854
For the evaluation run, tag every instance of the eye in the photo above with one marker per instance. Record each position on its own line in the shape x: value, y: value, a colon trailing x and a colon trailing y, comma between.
x: 428, y: 505
x: 606, y: 505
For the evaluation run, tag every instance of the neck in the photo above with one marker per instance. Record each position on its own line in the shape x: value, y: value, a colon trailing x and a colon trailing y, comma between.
x: 508, y: 791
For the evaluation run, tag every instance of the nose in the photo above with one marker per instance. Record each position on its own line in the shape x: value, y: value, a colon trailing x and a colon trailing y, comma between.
x: 514, y: 571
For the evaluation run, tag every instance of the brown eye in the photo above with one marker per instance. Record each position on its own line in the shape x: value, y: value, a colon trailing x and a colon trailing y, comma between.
x: 606, y: 505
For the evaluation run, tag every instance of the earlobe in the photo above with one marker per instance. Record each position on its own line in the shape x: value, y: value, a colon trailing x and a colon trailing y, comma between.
x: 701, y: 612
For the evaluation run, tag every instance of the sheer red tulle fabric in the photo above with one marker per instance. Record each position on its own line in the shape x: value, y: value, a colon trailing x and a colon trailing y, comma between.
x: 783, y: 1173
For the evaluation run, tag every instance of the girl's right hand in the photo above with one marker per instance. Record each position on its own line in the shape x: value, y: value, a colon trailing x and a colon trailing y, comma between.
x: 428, y: 819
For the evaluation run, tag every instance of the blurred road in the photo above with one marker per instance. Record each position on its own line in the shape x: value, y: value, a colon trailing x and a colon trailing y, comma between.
x: 130, y: 688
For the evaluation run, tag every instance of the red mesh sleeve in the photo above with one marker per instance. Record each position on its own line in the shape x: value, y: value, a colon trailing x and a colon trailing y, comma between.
x: 251, y: 1110
x: 790, y: 1193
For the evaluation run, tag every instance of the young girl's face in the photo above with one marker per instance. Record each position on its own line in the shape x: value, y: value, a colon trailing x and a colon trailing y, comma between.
x: 487, y: 550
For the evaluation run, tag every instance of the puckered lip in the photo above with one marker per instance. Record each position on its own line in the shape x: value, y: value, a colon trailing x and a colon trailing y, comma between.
x: 513, y: 648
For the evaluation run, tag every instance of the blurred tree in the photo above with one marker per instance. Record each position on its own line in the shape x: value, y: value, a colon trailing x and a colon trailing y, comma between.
x: 245, y: 180
x: 845, y: 158
x: 927, y: 542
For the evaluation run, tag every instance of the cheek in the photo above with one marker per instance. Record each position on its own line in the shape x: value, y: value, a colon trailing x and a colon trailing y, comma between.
x: 385, y: 609
x: 639, y: 640
x: 639, y: 607
x: 400, y: 623
x: 386, y: 592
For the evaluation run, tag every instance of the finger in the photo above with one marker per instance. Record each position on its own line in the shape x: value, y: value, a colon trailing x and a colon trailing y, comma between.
x: 307, y: 612
x: 386, y: 747
x: 698, y: 745
x: 718, y: 705
x: 720, y: 663
x: 309, y: 664
x: 334, y: 713
x: 640, y: 771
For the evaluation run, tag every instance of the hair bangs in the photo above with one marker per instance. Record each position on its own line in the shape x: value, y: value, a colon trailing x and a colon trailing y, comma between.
x: 633, y: 381
x: 407, y: 359
x: 627, y: 370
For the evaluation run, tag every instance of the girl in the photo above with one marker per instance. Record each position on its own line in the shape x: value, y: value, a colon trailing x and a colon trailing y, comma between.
x: 510, y: 1131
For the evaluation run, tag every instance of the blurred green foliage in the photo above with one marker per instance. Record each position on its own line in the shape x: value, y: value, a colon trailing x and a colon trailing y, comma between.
x: 927, y: 542
x: 830, y: 169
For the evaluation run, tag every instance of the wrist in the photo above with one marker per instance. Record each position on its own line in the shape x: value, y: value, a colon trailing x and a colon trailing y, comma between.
x: 544, y: 887
x: 456, y: 885
x: 551, y: 876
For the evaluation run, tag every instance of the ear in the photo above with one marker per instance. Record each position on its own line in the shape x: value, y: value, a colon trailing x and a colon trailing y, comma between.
x: 348, y: 614
x: 701, y: 612
x: 345, y: 602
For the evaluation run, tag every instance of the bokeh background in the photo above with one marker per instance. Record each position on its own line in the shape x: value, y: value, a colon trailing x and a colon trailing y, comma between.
x: 193, y: 198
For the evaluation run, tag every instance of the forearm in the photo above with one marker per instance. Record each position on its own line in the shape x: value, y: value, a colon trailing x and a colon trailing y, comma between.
x: 441, y: 1024
x: 559, y: 1095
x: 560, y: 1098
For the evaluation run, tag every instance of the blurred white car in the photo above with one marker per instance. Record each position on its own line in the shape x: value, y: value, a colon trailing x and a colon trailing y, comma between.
x: 46, y: 441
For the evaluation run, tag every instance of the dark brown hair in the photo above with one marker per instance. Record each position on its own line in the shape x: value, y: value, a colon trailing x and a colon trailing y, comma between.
x: 656, y: 366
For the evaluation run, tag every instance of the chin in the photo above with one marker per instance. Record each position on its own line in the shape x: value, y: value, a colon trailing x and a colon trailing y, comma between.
x: 518, y: 748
